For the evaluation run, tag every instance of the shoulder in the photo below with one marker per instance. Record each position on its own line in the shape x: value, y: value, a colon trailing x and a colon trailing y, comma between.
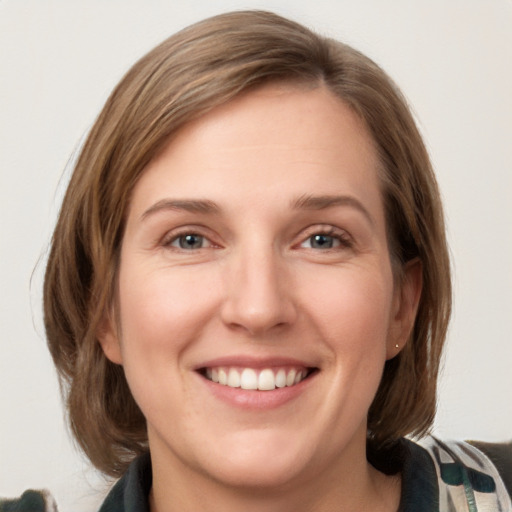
x: 129, y: 494
x: 471, y: 473
x: 500, y: 454
x: 30, y: 501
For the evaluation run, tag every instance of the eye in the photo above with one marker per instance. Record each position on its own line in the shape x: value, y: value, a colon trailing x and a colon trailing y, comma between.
x: 331, y: 239
x: 321, y: 241
x: 189, y: 242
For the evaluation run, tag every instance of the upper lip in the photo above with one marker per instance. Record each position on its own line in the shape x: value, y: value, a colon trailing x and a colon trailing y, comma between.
x: 244, y: 361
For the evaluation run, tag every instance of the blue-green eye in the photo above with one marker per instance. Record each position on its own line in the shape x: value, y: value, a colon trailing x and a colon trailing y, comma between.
x: 322, y: 241
x: 189, y: 241
x: 330, y: 239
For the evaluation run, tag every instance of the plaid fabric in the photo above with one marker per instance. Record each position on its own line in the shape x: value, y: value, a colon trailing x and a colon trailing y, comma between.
x: 467, y: 479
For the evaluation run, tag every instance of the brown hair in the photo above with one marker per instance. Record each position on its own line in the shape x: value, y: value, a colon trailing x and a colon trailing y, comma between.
x: 190, y: 73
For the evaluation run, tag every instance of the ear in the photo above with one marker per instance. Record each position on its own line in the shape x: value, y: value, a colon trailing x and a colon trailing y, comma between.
x: 405, y: 306
x: 107, y: 335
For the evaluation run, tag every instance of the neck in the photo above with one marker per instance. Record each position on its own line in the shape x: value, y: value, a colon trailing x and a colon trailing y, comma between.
x: 342, y: 488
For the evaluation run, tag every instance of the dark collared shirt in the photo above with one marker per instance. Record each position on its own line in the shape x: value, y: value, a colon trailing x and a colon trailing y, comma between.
x: 435, y: 478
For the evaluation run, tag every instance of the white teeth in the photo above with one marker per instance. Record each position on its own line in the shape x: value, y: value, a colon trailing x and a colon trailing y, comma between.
x: 290, y: 378
x: 223, y: 377
x: 281, y: 379
x: 248, y: 378
x: 266, y: 380
x: 233, y: 378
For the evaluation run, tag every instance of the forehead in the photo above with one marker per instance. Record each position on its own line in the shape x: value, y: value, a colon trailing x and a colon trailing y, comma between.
x: 278, y: 140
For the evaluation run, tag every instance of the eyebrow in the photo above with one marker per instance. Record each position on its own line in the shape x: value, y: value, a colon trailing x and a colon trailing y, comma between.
x: 310, y: 202
x: 304, y: 202
x: 189, y: 205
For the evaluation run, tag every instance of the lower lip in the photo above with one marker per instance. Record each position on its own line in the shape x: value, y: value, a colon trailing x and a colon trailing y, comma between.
x: 254, y: 399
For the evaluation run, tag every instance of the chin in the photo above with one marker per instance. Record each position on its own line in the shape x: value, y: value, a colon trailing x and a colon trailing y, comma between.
x: 256, y: 473
x: 260, y: 461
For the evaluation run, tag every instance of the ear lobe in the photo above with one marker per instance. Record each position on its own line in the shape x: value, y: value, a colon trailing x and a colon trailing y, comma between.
x: 405, y: 306
x: 108, y: 338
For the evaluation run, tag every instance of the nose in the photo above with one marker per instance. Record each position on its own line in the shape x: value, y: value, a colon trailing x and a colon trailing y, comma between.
x: 259, y: 294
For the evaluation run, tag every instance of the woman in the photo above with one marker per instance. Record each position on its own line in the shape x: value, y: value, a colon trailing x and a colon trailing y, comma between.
x: 248, y: 288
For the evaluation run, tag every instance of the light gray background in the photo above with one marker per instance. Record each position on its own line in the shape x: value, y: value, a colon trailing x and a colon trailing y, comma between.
x: 60, y: 59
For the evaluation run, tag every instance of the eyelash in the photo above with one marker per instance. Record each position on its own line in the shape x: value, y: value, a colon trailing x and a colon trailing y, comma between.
x: 337, y: 235
x: 174, y: 237
x: 334, y: 234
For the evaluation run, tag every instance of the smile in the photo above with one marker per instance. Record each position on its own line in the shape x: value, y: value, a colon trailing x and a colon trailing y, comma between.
x: 265, y: 379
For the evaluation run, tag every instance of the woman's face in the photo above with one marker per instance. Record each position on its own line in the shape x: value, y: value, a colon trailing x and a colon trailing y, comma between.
x: 255, y: 255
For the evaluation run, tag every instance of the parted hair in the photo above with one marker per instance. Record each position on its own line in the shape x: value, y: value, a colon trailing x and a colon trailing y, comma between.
x: 195, y: 70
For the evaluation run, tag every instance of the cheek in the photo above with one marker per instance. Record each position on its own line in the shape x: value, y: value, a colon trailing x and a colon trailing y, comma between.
x: 352, y: 308
x: 162, y: 311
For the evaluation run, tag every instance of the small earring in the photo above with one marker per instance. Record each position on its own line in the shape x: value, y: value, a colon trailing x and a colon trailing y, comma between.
x: 397, y: 346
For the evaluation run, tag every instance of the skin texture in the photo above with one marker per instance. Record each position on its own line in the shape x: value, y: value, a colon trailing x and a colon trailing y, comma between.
x: 255, y: 286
